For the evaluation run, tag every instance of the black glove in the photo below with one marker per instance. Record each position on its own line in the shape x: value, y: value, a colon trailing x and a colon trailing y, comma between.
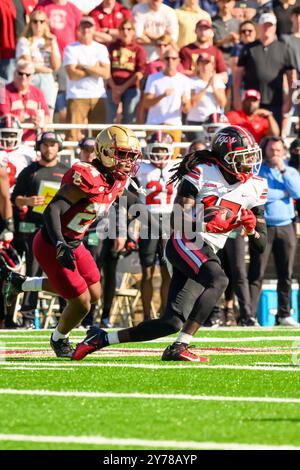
x: 65, y: 256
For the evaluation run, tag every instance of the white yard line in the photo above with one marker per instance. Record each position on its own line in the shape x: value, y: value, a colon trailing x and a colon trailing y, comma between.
x: 156, y: 366
x: 160, y: 396
x: 36, y: 368
x: 101, y: 440
x: 160, y: 366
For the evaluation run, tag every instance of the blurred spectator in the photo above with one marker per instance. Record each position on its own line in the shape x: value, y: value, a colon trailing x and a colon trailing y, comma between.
x: 14, y: 155
x: 261, y: 66
x: 12, y: 23
x: 208, y: 91
x: 128, y: 60
x: 284, y: 185
x: 188, y: 16
x: 152, y: 20
x: 245, y: 10
x: 247, y: 32
x: 282, y: 10
x: 226, y: 28
x: 64, y: 19
x: 24, y: 100
x: 264, y: 6
x: 197, y: 144
x: 294, y: 161
x: 85, y: 6
x: 210, y: 6
x: 260, y: 122
x: 40, y: 46
x: 87, y: 64
x: 87, y: 149
x: 293, y: 40
x: 189, y: 54
x: 167, y: 95
x: 36, y: 185
x: 162, y: 44
x: 108, y: 17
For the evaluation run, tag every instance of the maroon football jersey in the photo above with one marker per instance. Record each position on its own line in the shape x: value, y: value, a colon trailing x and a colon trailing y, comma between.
x: 99, y: 197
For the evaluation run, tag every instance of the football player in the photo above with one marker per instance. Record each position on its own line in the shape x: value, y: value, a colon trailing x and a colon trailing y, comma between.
x: 223, y: 176
x: 87, y: 191
x: 159, y: 195
x: 14, y: 155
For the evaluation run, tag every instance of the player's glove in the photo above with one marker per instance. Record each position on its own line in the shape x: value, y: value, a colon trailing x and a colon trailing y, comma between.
x: 248, y: 221
x: 65, y: 256
x: 220, y: 225
x: 7, y: 233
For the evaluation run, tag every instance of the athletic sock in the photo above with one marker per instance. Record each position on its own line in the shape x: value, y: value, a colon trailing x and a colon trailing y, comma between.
x: 184, y: 338
x: 32, y: 284
x: 57, y: 335
x: 113, y: 338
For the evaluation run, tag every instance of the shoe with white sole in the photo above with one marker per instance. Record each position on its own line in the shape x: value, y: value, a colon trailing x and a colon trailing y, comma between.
x: 287, y: 321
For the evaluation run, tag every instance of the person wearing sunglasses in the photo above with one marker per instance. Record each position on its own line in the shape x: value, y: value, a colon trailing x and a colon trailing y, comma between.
x: 128, y: 61
x: 24, y: 100
x: 247, y: 32
x: 40, y: 46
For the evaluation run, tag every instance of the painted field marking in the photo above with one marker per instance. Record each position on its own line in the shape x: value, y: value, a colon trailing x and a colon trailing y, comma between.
x: 36, y: 368
x: 159, y: 367
x: 101, y: 440
x: 159, y: 396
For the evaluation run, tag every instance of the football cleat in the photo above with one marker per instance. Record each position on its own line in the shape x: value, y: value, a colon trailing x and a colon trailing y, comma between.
x: 180, y: 352
x: 61, y: 347
x: 287, y: 321
x: 249, y: 321
x: 94, y: 340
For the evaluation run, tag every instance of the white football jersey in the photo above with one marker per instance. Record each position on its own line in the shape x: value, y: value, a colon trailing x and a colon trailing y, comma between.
x: 16, y: 160
x: 214, y: 190
x: 159, y: 196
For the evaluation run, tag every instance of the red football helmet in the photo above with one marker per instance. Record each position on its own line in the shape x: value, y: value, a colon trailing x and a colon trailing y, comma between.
x: 9, y: 257
x: 213, y: 124
x: 159, y: 148
x: 237, y: 151
x: 10, y: 132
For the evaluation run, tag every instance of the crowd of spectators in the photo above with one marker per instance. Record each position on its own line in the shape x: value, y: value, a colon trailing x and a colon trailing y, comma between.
x: 96, y: 62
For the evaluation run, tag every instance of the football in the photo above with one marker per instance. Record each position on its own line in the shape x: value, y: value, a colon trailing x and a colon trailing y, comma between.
x: 211, y: 212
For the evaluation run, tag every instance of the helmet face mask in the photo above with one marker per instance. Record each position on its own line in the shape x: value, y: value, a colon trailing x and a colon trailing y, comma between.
x: 10, y: 133
x: 237, y: 151
x: 119, y: 150
x: 160, y: 149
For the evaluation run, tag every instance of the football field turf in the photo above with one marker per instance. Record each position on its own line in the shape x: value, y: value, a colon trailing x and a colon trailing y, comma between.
x: 125, y: 397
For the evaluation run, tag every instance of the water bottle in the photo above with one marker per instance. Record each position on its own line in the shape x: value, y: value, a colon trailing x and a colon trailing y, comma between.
x: 37, y: 319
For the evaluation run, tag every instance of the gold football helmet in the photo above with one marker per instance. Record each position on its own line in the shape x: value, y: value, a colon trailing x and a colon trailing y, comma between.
x: 118, y: 149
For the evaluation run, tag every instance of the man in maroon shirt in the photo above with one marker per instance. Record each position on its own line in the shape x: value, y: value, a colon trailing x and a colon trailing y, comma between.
x: 64, y: 19
x: 190, y: 53
x: 128, y: 62
x: 23, y: 100
x: 260, y: 122
x: 108, y: 17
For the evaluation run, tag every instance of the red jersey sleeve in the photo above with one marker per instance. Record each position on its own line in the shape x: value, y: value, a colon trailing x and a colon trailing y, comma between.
x: 86, y: 177
x: 220, y: 62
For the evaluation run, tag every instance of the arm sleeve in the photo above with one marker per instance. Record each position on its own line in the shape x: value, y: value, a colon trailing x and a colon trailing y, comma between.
x: 52, y: 217
x: 258, y: 241
x: 187, y: 189
x: 291, y: 180
x: 23, y: 184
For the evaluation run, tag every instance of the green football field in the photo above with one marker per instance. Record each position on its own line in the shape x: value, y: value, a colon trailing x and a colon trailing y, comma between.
x: 125, y: 397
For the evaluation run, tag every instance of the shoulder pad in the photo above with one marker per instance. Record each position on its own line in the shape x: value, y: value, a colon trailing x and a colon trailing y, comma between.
x: 86, y: 177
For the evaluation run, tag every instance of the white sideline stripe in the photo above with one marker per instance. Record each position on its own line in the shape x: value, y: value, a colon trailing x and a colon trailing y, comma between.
x: 195, y: 340
x: 157, y: 366
x: 36, y: 368
x: 221, y: 328
x: 160, y: 396
x: 101, y: 440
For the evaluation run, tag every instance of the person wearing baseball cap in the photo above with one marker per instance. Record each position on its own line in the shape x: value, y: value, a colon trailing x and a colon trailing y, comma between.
x: 262, y: 66
x: 87, y: 149
x: 260, y: 122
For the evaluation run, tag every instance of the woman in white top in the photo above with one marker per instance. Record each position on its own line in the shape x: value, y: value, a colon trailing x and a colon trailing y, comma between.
x: 40, y: 46
x: 208, y: 92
